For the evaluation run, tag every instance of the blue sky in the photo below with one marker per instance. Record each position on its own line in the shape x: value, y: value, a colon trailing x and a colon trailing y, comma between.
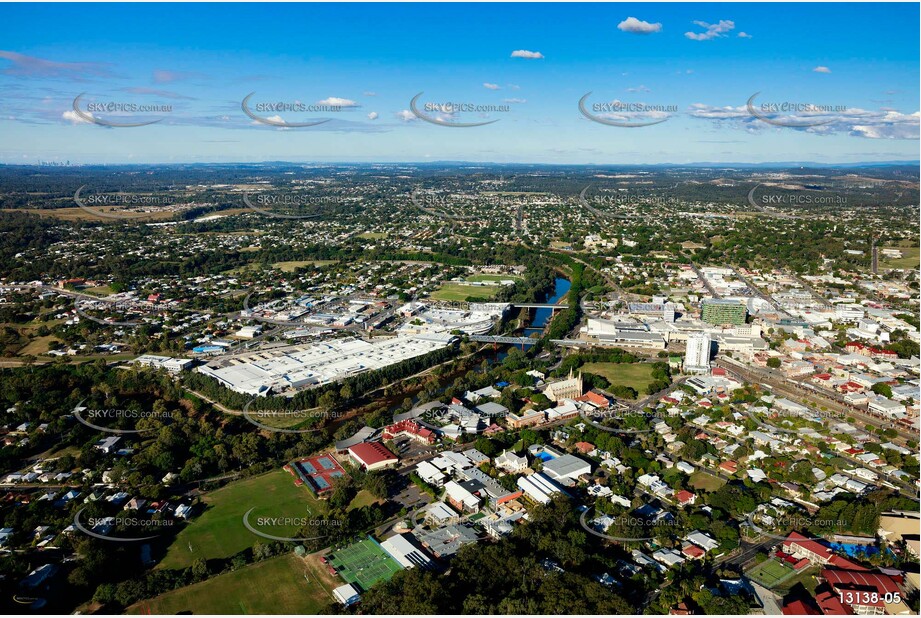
x: 703, y: 60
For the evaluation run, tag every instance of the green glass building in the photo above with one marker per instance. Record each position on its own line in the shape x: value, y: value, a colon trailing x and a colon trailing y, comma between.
x: 717, y: 311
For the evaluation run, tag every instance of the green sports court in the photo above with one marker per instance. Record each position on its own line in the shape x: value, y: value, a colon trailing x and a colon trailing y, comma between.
x: 770, y: 573
x: 364, y: 563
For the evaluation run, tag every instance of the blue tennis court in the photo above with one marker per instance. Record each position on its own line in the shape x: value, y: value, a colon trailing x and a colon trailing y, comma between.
x: 317, y: 473
x: 326, y: 463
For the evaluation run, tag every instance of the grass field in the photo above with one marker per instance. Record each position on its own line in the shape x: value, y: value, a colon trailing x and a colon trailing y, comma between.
x: 482, y: 277
x: 458, y: 291
x: 275, y: 586
x: 769, y: 573
x: 363, y: 498
x: 289, y: 267
x: 219, y: 531
x: 99, y: 290
x: 705, y: 482
x: 909, y: 259
x: 78, y: 214
x: 373, y: 235
x: 635, y: 375
x: 37, y: 346
x: 364, y: 563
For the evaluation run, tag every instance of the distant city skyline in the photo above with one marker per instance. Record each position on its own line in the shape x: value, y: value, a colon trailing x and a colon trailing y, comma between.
x: 698, y: 71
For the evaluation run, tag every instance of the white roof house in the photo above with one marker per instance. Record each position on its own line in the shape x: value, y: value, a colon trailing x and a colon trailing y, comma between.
x: 405, y: 551
x: 566, y: 469
x: 430, y: 474
x: 346, y: 594
x: 460, y: 497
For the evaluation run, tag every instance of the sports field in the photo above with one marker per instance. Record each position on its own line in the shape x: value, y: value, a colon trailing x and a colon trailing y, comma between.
x: 364, y: 563
x: 705, y: 482
x: 219, y: 531
x: 909, y: 258
x: 634, y: 375
x: 290, y: 267
x: 451, y: 290
x: 769, y: 573
x: 484, y: 277
x: 276, y: 586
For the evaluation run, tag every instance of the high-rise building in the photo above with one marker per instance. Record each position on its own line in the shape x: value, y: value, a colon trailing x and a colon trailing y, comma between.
x: 719, y: 311
x: 697, y: 359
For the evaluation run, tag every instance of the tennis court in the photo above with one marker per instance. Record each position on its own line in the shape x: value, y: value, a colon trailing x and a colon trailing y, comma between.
x: 770, y: 573
x: 317, y: 473
x: 364, y: 563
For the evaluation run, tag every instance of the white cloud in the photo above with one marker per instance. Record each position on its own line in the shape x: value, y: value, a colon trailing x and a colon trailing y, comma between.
x: 373, y: 116
x: 369, y: 94
x: 882, y: 124
x: 821, y: 69
x: 636, y: 26
x: 74, y: 118
x: 744, y: 35
x: 640, y: 88
x: 711, y: 112
x: 524, y: 53
x: 491, y: 86
x: 514, y: 100
x: 513, y: 86
x: 893, y: 125
x: 712, y: 31
x: 338, y: 102
x: 406, y: 115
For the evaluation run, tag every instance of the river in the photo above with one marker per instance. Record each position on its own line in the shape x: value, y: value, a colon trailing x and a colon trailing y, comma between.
x: 542, y: 316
